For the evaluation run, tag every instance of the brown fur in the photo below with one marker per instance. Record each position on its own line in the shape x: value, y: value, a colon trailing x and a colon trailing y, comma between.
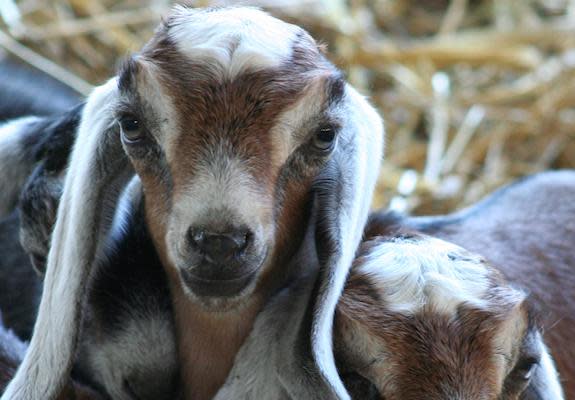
x: 208, y: 343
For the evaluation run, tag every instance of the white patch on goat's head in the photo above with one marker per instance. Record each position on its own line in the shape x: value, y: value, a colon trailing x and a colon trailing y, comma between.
x: 233, y: 40
x: 417, y: 273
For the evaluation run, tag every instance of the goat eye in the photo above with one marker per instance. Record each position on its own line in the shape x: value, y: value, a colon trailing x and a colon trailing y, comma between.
x: 526, y: 367
x: 324, y: 139
x: 131, y: 129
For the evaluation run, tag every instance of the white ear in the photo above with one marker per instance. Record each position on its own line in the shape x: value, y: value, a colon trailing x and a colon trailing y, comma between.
x: 544, y: 384
x: 97, y: 171
x: 343, y: 195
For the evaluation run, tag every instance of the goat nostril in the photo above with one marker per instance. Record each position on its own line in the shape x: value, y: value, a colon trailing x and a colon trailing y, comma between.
x: 197, y: 237
x: 130, y: 390
x: 38, y: 262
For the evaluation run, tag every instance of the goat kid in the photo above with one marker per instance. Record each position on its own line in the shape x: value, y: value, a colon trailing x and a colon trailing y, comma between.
x: 127, y: 349
x: 253, y: 153
x: 423, y: 318
x: 527, y: 231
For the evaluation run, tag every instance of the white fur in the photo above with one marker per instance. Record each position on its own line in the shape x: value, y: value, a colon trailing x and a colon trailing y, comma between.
x: 94, y: 169
x: 11, y: 347
x: 14, y: 170
x: 547, y: 376
x: 123, y: 211
x: 420, y: 273
x: 236, y: 38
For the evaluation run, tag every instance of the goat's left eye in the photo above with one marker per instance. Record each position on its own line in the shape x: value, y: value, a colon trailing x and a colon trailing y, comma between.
x: 131, y: 129
x: 525, y: 368
x: 325, y: 138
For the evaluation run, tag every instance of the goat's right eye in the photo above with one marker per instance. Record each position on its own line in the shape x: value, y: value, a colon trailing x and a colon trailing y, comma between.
x: 526, y: 367
x: 131, y: 129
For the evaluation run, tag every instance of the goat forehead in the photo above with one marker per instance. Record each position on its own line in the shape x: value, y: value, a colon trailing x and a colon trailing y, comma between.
x: 236, y: 38
x: 423, y: 272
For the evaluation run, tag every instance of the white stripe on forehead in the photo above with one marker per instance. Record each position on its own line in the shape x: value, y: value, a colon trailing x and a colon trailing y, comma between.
x: 236, y: 38
x: 426, y: 272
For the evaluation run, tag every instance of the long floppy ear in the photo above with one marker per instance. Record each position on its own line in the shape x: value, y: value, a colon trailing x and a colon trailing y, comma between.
x: 343, y: 197
x: 544, y: 383
x: 343, y: 194
x: 98, y: 170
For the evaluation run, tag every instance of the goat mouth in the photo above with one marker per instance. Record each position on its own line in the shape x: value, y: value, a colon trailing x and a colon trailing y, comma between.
x: 210, y: 287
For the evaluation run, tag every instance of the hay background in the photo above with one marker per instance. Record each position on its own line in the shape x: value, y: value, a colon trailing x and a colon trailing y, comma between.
x: 475, y: 93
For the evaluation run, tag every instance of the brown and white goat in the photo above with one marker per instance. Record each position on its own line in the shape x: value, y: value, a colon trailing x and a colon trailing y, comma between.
x: 527, y: 231
x: 253, y: 154
x: 421, y: 318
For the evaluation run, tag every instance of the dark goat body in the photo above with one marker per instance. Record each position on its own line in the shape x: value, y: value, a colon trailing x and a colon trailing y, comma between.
x: 21, y: 89
x: 20, y: 288
x: 527, y: 231
x: 48, y: 136
x: 24, y: 113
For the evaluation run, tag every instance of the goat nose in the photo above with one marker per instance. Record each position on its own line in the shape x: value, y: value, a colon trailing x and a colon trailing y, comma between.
x: 221, y: 246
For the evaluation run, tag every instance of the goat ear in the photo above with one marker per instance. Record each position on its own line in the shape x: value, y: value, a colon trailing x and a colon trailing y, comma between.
x: 544, y: 383
x: 343, y: 194
x: 98, y: 170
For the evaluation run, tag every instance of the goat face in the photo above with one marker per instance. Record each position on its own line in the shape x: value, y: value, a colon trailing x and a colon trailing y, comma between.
x: 421, y: 318
x: 227, y: 115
